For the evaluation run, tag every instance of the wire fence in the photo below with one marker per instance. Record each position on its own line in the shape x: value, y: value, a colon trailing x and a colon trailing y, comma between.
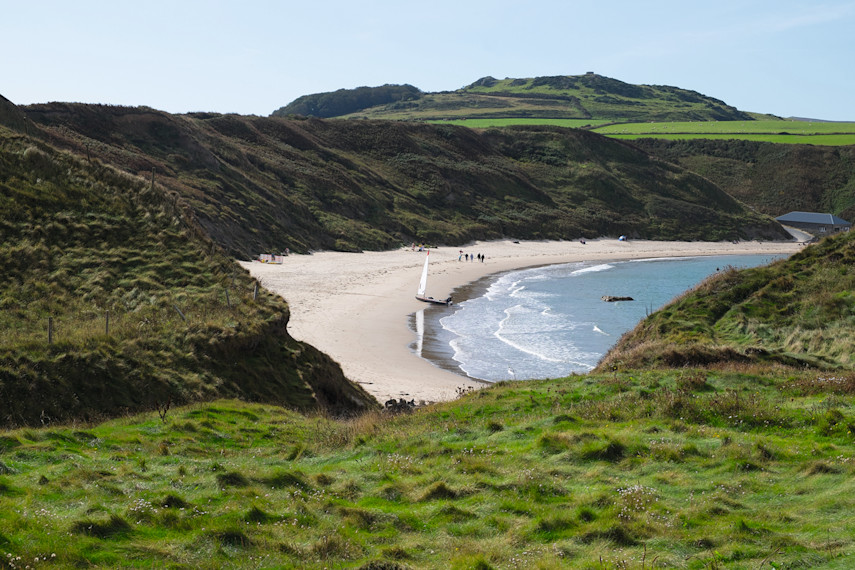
x: 228, y: 307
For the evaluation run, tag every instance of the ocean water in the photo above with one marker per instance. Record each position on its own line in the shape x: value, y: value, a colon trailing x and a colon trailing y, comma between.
x: 548, y: 322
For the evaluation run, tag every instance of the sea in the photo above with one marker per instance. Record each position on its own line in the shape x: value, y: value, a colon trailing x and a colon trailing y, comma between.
x: 550, y: 321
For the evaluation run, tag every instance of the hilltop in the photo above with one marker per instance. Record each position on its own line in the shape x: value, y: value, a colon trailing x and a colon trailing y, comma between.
x: 588, y: 96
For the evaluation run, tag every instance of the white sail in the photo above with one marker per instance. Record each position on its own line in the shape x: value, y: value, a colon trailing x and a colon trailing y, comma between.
x: 423, y: 282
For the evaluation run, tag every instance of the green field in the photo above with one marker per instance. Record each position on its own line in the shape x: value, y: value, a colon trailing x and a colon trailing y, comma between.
x: 625, y: 470
x: 730, y: 127
x: 787, y: 132
x: 824, y: 140
x: 490, y: 123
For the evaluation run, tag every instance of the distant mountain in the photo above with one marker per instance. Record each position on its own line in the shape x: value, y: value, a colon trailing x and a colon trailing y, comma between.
x: 588, y: 96
x: 347, y: 101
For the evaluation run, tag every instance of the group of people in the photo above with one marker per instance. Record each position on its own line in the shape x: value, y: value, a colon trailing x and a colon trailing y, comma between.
x: 470, y: 257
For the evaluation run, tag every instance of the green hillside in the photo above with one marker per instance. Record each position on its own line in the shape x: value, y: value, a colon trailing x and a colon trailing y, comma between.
x: 774, y: 179
x: 263, y: 184
x: 588, y: 96
x: 796, y: 312
x: 113, y: 300
x: 631, y: 469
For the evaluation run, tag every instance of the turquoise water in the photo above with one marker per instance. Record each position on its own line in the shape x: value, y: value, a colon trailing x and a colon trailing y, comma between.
x: 549, y: 322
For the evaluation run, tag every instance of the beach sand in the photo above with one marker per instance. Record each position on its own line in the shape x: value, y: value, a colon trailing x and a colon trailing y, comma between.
x: 355, y: 306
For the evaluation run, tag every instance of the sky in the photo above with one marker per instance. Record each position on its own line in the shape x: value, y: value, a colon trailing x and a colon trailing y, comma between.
x: 785, y: 57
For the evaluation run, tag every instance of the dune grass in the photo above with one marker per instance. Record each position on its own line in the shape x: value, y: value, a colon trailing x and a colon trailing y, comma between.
x: 624, y: 470
x: 112, y: 299
x: 795, y: 312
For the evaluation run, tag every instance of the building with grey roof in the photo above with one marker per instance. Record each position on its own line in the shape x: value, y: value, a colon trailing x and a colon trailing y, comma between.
x: 815, y: 223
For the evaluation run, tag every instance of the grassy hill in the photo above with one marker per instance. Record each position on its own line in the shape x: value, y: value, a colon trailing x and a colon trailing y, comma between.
x: 113, y: 300
x: 774, y: 179
x: 796, y: 312
x: 588, y: 96
x: 632, y: 469
x: 263, y: 184
x: 745, y: 463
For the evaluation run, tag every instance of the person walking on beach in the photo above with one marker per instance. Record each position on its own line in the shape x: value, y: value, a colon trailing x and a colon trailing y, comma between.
x: 459, y: 257
x: 466, y: 256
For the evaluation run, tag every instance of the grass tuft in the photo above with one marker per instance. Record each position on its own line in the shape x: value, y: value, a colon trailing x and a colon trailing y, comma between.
x: 439, y: 491
x: 114, y: 527
x: 232, y: 479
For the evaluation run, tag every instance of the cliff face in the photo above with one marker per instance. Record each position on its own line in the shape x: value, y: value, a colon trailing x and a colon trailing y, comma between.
x: 263, y: 184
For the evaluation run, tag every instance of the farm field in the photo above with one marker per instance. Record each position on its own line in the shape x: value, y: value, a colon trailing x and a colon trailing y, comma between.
x: 731, y: 127
x: 786, y: 132
x: 783, y: 131
x: 489, y: 123
x: 822, y: 140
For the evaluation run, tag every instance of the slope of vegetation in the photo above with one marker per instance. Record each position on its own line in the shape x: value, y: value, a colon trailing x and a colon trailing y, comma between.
x: 588, y: 96
x: 796, y: 312
x: 261, y: 184
x: 682, y: 469
x: 112, y: 300
x: 773, y: 179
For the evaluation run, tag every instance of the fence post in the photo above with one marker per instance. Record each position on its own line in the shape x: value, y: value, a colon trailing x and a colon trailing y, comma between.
x: 183, y: 318
x: 255, y: 292
x: 50, y: 330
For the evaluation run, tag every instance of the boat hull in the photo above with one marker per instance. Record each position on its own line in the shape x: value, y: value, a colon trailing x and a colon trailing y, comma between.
x: 433, y: 301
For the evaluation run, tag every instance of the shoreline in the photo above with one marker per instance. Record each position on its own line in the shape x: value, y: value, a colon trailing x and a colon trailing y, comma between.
x: 356, y: 307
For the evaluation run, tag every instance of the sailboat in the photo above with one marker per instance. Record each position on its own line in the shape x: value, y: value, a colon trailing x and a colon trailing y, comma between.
x: 420, y: 294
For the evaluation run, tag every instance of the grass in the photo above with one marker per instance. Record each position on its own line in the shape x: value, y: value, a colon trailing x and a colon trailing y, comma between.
x: 499, y: 122
x: 763, y: 127
x: 794, y: 312
x: 822, y: 140
x: 353, y: 185
x: 636, y: 469
x: 780, y: 132
x: 113, y: 300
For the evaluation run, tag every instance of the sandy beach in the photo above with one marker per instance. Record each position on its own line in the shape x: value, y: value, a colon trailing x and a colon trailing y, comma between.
x: 355, y: 306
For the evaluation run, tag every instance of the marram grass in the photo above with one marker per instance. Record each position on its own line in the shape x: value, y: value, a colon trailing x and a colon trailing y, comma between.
x: 684, y: 469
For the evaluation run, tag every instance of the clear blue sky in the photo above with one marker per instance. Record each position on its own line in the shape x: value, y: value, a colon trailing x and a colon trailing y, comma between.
x: 789, y: 58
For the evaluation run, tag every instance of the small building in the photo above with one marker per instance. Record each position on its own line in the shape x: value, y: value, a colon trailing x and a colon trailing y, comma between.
x: 814, y: 222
